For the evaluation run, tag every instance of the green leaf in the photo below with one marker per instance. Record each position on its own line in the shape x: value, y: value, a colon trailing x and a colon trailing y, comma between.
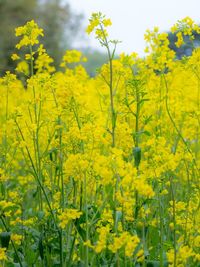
x: 79, y: 229
x: 156, y: 264
x: 5, y: 239
x: 118, y: 217
x: 41, y: 247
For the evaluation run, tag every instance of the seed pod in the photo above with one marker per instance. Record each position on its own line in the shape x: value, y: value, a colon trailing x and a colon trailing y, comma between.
x: 137, y: 156
x: 5, y: 239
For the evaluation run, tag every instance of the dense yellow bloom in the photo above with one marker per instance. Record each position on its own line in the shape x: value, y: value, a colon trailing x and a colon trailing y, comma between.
x: 183, y: 255
x: 102, y: 240
x: 66, y: 186
x: 125, y: 240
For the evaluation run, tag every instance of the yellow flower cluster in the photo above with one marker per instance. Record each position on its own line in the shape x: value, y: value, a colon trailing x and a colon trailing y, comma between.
x: 68, y: 215
x: 3, y: 254
x: 30, y: 33
x: 99, y: 23
x: 125, y: 240
x: 97, y: 19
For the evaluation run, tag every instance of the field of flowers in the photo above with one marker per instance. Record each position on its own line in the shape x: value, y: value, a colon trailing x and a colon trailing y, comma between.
x: 101, y: 171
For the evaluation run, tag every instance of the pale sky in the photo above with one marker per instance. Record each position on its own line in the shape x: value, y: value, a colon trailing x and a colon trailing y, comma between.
x: 131, y: 18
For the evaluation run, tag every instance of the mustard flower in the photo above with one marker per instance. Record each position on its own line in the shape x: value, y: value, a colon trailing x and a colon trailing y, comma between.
x: 3, y: 254
x: 30, y: 33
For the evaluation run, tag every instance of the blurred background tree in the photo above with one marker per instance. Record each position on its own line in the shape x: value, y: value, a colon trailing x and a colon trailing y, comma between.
x: 12, y: 14
x: 60, y: 25
x: 95, y: 60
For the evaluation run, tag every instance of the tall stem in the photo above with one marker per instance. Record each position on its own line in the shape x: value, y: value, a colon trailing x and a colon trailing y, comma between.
x: 175, y: 126
x: 86, y: 214
x: 137, y: 117
x: 161, y: 230
x: 13, y: 245
x: 113, y: 114
x: 174, y: 220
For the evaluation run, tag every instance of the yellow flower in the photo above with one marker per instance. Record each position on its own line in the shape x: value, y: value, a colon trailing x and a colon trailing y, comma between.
x: 88, y: 244
x: 68, y: 215
x: 98, y: 23
x: 72, y: 56
x: 15, y: 57
x: 23, y: 67
x: 3, y: 254
x: 180, y: 40
x: 28, y: 57
x: 107, y: 22
x: 30, y: 33
x: 94, y: 22
x: 131, y: 245
x: 102, y: 240
x: 16, y: 238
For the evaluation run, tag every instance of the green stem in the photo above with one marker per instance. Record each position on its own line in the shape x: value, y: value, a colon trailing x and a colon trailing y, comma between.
x: 17, y: 255
x: 161, y: 231
x: 86, y: 215
x: 174, y: 220
x: 137, y: 117
x: 36, y: 175
x: 110, y: 58
x: 62, y: 189
x: 174, y: 124
x: 31, y: 60
x: 71, y: 251
x: 44, y: 192
x: 61, y: 247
